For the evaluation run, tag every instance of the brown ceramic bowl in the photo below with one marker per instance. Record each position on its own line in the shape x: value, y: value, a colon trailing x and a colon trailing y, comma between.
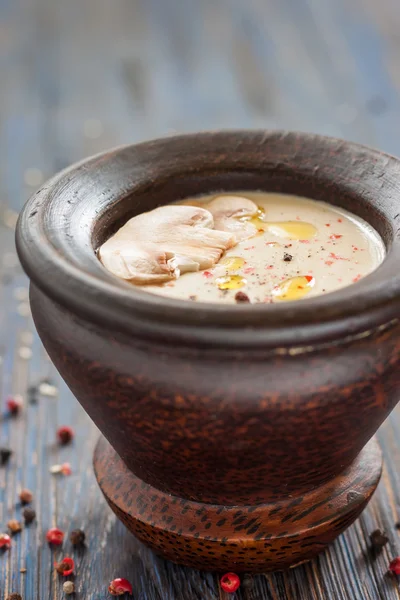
x: 235, y: 437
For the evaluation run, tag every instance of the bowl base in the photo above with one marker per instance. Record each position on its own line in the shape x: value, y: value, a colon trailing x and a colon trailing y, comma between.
x: 260, y: 538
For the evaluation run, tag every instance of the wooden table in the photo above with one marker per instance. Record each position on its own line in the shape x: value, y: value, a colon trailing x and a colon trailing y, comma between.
x: 78, y: 76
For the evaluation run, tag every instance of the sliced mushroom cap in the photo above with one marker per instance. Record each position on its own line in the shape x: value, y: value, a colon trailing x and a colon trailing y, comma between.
x: 157, y: 246
x: 227, y: 212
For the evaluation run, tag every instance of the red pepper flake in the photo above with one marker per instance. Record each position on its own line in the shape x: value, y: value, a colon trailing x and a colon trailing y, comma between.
x: 354, y: 248
x: 268, y: 244
x: 288, y: 245
x: 337, y: 257
x: 207, y: 274
x: 308, y: 277
x: 65, y: 567
x: 357, y: 278
x: 230, y: 582
x: 249, y: 270
x: 250, y: 248
x: 55, y: 536
x: 394, y: 565
x: 340, y: 220
x: 5, y: 541
x: 335, y: 236
x: 304, y: 241
x: 119, y: 587
x: 269, y: 267
x: 329, y: 262
x: 327, y: 224
x: 298, y: 219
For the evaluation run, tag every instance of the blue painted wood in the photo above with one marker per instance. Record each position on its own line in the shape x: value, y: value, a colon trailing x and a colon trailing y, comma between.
x: 83, y: 75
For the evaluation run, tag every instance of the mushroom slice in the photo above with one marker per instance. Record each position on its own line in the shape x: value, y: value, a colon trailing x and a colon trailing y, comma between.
x: 158, y: 246
x: 228, y: 212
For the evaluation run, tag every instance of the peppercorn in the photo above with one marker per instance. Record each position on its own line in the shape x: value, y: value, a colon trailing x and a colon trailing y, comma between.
x: 77, y: 537
x: 378, y: 539
x: 14, y: 597
x: 65, y: 567
x: 68, y: 587
x: 55, y: 536
x: 241, y: 298
x: 65, y: 435
x: 14, y: 526
x: 287, y: 257
x: 26, y: 496
x: 119, y: 587
x: 5, y: 541
x: 230, y: 582
x: 29, y: 515
x: 5, y: 454
x: 394, y: 565
x: 14, y: 404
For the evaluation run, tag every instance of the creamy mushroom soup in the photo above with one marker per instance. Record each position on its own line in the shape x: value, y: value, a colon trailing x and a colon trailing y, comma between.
x: 244, y: 247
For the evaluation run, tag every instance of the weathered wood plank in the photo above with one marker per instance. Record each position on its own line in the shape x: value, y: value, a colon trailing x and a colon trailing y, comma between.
x: 83, y: 75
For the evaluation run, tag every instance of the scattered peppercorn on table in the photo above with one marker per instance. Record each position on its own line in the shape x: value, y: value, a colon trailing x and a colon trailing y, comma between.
x: 82, y: 76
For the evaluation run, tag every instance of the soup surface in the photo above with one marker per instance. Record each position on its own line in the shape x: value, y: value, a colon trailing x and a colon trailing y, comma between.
x: 293, y: 248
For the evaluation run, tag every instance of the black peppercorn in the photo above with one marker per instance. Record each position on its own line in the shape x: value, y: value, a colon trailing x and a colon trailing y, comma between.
x: 378, y: 539
x: 77, y: 537
x: 5, y: 454
x: 29, y: 515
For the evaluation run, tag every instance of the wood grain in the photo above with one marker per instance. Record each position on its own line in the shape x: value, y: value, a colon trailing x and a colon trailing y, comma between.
x: 83, y: 75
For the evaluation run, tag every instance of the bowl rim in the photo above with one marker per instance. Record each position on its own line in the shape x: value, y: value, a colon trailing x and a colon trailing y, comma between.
x: 48, y: 250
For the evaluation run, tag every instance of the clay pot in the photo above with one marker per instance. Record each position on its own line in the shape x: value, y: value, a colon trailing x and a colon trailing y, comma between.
x: 235, y: 437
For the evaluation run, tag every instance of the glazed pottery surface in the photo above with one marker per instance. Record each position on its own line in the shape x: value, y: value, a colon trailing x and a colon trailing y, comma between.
x: 237, y: 436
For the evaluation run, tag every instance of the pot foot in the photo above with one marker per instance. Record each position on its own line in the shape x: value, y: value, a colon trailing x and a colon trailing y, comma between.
x: 266, y: 537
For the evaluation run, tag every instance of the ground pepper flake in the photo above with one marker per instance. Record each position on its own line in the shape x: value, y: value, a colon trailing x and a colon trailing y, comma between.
x: 230, y: 582
x: 337, y: 257
x: 287, y: 257
x: 357, y: 278
x: 335, y: 236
